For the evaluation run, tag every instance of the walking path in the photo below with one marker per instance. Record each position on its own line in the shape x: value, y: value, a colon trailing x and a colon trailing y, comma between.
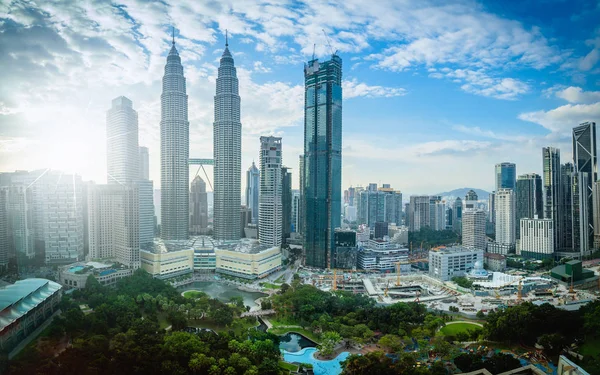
x: 465, y: 322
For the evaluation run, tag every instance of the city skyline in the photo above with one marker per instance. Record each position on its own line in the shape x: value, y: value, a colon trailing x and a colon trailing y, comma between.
x: 515, y: 103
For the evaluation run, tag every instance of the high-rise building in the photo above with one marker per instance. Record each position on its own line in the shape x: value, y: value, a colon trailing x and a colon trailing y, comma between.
x: 553, y: 195
x: 440, y: 216
x: 586, y: 173
x: 345, y: 253
x: 301, y: 202
x: 505, y: 217
x: 122, y: 150
x: 457, y: 212
x: 227, y: 148
x: 491, y: 207
x: 252, y: 189
x: 20, y: 220
x: 351, y: 195
x: 471, y: 199
x: 144, y: 159
x: 528, y: 195
x: 175, y: 152
x: 432, y: 213
x: 473, y: 229
x: 537, y: 238
x: 198, y: 206
x: 113, y: 223
x: 322, y: 173
x: 595, y: 214
x: 418, y: 213
x: 506, y: 176
x: 4, y: 234
x: 286, y: 203
x: 295, y: 209
x: 565, y: 210
x: 270, y: 198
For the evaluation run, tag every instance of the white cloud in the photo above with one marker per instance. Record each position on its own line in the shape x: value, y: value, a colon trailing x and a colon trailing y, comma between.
x: 480, y: 83
x: 564, y: 118
x: 577, y: 95
x: 352, y: 89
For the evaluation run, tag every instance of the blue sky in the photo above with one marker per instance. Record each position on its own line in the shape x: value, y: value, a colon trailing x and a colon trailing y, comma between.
x: 435, y: 92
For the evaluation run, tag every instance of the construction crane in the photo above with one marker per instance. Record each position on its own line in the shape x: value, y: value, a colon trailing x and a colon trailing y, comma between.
x: 387, y: 288
x: 328, y: 43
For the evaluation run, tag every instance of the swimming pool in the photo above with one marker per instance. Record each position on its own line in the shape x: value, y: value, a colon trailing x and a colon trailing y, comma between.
x: 306, y: 355
x: 76, y: 268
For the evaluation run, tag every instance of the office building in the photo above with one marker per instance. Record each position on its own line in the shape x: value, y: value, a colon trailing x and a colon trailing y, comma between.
x: 198, y: 206
x: 270, y: 220
x: 432, y: 214
x: 491, y: 207
x: 113, y: 223
x: 379, y: 204
x: 595, y: 214
x: 26, y: 305
x: 505, y: 217
x: 585, y: 174
x: 537, y: 238
x: 529, y: 199
x: 506, y: 176
x: 227, y: 140
x: 345, y: 252
x: 144, y: 163
x: 453, y: 261
x: 252, y: 191
x: 4, y: 233
x: 554, y: 195
x: 296, y: 210
x: 457, y: 212
x: 439, y: 222
x: 246, y: 223
x: 565, y: 211
x: 122, y: 149
x: 20, y: 221
x: 418, y: 213
x: 247, y: 259
x: 167, y: 259
x: 381, y: 255
x: 470, y: 202
x: 398, y: 234
x: 205, y: 259
x: 473, y: 229
x: 322, y: 174
x: 381, y: 230
x: 351, y: 196
x: 174, y: 151
x: 301, y: 201
x: 286, y: 203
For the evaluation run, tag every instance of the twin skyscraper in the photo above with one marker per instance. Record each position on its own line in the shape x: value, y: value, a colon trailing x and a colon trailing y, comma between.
x: 320, y: 163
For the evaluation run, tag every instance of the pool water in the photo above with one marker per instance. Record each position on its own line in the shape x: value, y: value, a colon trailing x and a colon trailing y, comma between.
x: 76, y: 268
x: 306, y: 355
x: 293, y: 342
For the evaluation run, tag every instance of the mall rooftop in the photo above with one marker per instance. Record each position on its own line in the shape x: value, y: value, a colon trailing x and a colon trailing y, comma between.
x: 18, y: 299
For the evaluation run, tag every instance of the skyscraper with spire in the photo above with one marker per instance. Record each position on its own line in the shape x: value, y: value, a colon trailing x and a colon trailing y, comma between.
x: 174, y: 151
x: 227, y: 148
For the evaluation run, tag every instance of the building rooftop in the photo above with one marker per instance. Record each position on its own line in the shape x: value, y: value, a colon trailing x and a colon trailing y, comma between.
x: 494, y: 256
x: 161, y: 246
x: 245, y: 245
x: 455, y: 249
x: 21, y: 297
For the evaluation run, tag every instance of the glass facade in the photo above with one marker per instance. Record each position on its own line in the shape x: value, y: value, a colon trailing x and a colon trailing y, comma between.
x: 506, y: 176
x: 322, y: 178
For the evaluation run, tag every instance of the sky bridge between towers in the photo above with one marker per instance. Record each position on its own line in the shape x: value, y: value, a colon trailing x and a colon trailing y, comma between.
x: 202, y: 163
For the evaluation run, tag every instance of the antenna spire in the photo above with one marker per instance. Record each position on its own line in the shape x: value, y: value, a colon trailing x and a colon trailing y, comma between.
x: 173, y: 33
x: 226, y: 39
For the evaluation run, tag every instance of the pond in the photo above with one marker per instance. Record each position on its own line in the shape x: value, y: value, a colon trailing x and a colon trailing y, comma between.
x: 294, y: 342
x: 306, y: 355
x: 222, y: 292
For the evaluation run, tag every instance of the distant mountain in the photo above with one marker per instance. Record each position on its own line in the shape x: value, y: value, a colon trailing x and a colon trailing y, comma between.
x: 481, y: 194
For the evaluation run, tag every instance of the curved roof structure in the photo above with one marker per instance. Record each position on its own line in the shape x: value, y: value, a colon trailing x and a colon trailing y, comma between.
x: 23, y: 296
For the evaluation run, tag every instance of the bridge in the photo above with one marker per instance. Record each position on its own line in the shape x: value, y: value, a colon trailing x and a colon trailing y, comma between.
x: 257, y: 313
x: 202, y: 163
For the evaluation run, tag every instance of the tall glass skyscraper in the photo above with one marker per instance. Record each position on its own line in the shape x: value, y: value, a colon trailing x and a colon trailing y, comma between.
x: 553, y: 196
x: 270, y: 210
x: 322, y: 174
x: 174, y: 151
x: 252, y: 189
x: 122, y: 152
x: 529, y: 198
x: 506, y: 176
x: 586, y: 173
x: 227, y: 138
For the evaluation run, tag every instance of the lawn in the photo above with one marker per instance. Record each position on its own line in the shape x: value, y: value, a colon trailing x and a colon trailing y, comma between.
x: 281, y: 321
x: 302, y: 331
x: 270, y: 286
x: 288, y: 366
x: 590, y: 347
x: 192, y: 294
x: 453, y: 329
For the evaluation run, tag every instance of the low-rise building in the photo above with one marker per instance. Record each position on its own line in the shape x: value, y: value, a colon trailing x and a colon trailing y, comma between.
x: 446, y: 263
x: 500, y: 248
x: 573, y: 273
x: 166, y: 259
x: 247, y: 259
x: 205, y: 259
x: 494, y: 262
x: 75, y: 275
x: 382, y: 255
x: 24, y: 306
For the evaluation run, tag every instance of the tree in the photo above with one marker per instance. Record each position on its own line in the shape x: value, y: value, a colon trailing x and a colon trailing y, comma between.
x: 328, y: 341
x: 480, y: 314
x: 391, y: 342
x: 553, y: 343
x: 469, y: 362
x: 500, y: 363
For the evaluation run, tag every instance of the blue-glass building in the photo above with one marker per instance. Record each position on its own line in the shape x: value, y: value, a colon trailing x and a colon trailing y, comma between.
x: 322, y: 174
x: 506, y: 176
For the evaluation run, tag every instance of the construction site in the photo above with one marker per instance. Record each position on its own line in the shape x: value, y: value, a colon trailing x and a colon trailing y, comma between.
x: 495, y: 290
